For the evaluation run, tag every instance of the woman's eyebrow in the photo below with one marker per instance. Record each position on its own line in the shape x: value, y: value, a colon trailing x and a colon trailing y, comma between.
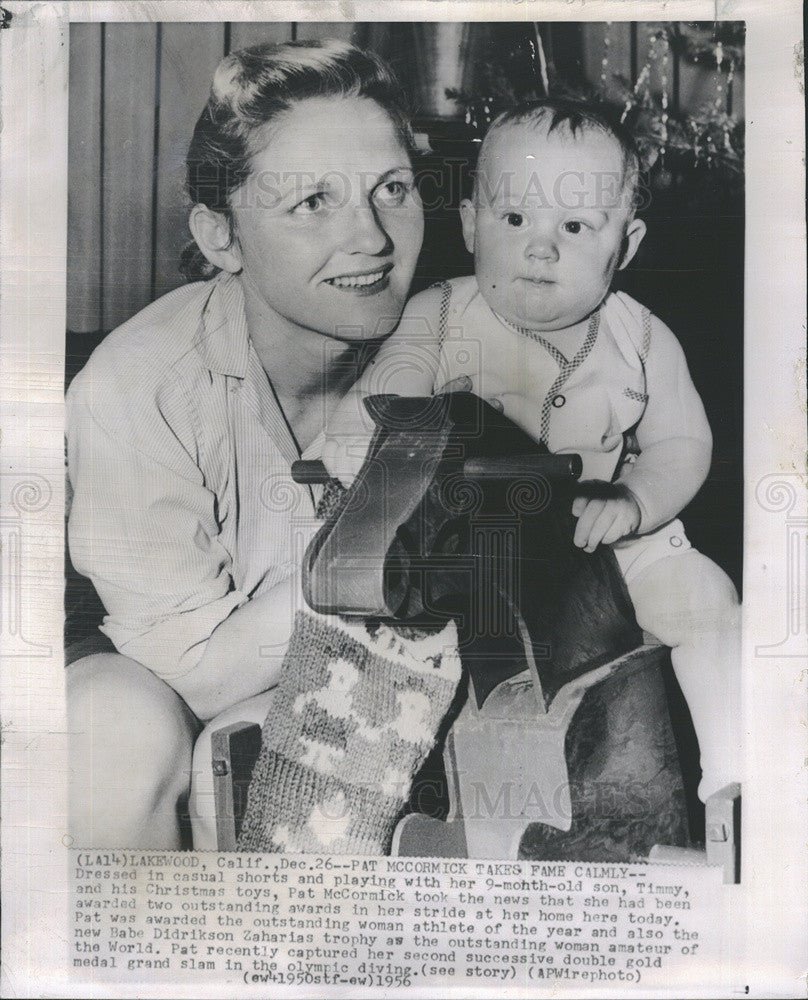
x: 404, y: 168
x: 297, y: 184
x: 330, y: 177
x: 277, y: 190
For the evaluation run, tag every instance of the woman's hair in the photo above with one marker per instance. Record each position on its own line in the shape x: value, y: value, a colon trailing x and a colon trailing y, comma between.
x: 251, y: 89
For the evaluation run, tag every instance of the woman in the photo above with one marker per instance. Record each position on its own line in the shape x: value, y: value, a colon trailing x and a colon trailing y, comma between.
x: 184, y: 423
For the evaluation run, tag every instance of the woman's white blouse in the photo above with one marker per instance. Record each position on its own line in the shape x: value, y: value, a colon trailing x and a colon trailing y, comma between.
x: 179, y: 458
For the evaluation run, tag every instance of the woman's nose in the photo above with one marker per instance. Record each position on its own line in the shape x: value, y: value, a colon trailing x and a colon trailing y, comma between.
x: 366, y: 233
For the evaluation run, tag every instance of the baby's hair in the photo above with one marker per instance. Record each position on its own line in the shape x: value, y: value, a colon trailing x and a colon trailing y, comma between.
x: 573, y: 117
x: 253, y: 88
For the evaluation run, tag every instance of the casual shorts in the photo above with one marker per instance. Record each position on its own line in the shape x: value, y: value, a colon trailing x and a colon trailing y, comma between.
x: 635, y: 554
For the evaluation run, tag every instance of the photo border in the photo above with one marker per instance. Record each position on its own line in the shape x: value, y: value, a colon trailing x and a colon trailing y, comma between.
x: 766, y: 947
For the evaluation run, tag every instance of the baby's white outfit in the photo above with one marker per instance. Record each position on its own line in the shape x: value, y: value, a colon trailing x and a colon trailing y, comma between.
x: 591, y: 402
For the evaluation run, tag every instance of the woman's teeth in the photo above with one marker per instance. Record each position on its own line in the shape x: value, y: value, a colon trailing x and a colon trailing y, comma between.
x: 357, y: 280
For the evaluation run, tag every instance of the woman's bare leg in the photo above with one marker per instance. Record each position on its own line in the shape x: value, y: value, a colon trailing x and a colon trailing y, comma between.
x: 131, y: 740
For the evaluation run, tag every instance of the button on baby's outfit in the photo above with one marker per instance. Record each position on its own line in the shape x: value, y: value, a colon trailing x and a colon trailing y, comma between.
x: 559, y: 400
x: 676, y: 541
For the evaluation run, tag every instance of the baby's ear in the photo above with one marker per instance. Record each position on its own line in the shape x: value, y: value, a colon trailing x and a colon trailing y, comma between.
x: 631, y: 242
x: 213, y: 236
x: 468, y: 218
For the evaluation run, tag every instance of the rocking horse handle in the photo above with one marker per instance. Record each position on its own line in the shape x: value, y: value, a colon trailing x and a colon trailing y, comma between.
x: 309, y: 472
x: 569, y: 466
x: 313, y: 472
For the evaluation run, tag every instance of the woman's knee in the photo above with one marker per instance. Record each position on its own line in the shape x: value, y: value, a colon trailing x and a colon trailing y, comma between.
x: 119, y: 712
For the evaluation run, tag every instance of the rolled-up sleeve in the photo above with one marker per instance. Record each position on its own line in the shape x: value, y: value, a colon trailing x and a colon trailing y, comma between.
x: 143, y: 526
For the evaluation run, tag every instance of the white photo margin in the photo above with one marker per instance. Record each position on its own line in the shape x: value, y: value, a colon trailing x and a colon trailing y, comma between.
x: 770, y: 913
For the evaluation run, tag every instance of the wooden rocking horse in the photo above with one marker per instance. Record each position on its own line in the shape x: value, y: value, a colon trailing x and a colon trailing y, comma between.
x: 560, y: 746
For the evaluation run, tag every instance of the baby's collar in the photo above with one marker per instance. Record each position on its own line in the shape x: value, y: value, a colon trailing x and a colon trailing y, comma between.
x: 561, y: 359
x: 534, y: 334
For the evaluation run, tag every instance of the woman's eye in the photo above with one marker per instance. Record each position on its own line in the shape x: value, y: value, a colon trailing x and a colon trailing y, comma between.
x: 313, y: 203
x: 515, y: 219
x: 391, y: 193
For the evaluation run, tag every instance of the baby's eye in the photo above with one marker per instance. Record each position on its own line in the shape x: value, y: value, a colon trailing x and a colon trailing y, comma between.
x: 574, y: 226
x: 313, y: 203
x: 392, y: 193
x: 515, y: 219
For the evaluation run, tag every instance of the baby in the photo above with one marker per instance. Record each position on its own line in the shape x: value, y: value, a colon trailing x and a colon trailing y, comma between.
x: 582, y: 369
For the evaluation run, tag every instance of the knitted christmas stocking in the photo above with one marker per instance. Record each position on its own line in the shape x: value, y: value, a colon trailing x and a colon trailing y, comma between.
x: 356, y: 712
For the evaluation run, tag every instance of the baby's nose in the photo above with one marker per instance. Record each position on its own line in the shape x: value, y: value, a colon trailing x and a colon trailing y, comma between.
x: 542, y: 246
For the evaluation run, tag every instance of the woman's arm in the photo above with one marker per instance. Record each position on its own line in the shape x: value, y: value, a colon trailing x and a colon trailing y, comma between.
x: 405, y: 365
x: 143, y: 527
x: 244, y: 654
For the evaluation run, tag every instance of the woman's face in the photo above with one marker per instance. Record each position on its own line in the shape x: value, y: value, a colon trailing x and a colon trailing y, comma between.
x: 329, y: 224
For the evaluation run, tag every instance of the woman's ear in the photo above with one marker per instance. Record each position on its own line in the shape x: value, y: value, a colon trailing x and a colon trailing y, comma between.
x: 211, y: 230
x: 631, y: 242
x: 468, y: 219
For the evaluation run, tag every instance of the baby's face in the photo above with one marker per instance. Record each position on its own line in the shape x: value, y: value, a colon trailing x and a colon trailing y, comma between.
x: 550, y: 224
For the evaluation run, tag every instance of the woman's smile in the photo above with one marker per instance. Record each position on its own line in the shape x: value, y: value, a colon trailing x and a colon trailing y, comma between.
x: 363, y: 283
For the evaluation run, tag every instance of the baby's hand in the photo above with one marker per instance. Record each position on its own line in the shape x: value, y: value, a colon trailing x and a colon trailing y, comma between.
x: 606, y: 517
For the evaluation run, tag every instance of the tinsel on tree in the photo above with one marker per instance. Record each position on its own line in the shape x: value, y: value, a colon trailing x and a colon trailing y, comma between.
x: 706, y: 143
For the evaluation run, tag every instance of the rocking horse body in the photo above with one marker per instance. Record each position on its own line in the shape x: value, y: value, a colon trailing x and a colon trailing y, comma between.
x: 563, y: 747
x: 560, y: 745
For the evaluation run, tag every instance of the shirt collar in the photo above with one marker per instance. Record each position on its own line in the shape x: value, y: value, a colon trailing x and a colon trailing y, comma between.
x: 222, y: 341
